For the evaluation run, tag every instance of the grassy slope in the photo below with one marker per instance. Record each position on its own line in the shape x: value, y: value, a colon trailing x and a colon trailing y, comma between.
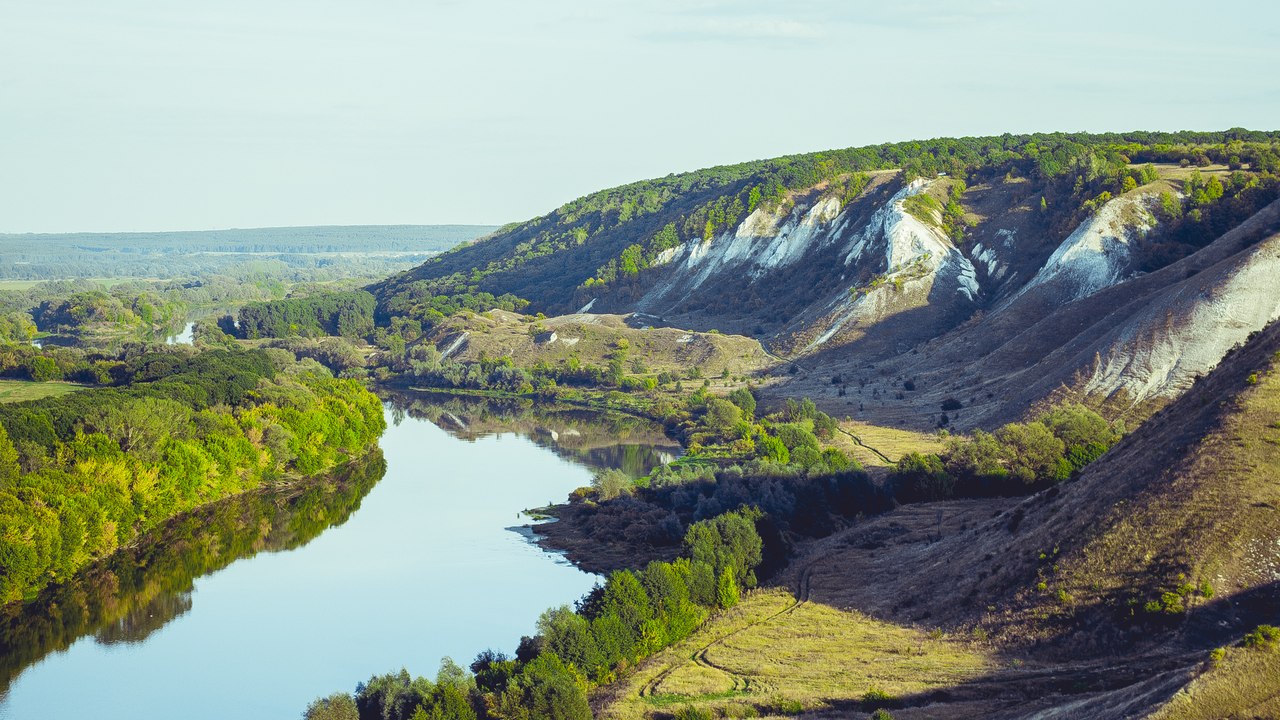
x: 12, y: 391
x: 1191, y: 496
x: 497, y: 333
x: 779, y: 654
x: 1242, y: 685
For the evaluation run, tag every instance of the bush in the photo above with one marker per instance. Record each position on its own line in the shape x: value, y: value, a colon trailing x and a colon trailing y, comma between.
x: 1263, y: 637
x: 689, y: 712
x: 920, y: 478
x: 611, y: 483
x: 744, y: 399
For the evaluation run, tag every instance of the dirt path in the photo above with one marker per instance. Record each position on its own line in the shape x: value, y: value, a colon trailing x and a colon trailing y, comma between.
x: 740, y: 683
x: 859, y: 441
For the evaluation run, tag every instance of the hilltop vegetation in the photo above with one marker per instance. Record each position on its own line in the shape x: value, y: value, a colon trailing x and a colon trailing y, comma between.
x: 588, y: 234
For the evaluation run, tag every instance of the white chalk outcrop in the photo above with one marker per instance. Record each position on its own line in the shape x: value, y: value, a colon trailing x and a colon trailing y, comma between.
x: 916, y: 261
x: 1160, y: 351
x: 1097, y: 254
x: 768, y: 239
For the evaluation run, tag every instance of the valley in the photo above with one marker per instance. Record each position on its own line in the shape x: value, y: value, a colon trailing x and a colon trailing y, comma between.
x: 972, y: 427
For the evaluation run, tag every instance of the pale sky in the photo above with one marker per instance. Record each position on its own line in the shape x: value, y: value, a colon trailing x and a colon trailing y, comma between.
x: 175, y: 114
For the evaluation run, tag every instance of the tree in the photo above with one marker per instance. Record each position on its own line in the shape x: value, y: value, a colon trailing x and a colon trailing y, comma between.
x: 745, y: 400
x: 338, y: 706
x: 921, y: 478
x: 568, y: 635
x: 625, y: 597
x: 726, y: 590
x: 1033, y: 453
x: 722, y: 416
x: 728, y: 541
x: 545, y: 689
x: 772, y: 449
x: 611, y: 483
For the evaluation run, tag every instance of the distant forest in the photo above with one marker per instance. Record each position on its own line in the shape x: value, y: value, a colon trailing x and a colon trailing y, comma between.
x: 368, y: 250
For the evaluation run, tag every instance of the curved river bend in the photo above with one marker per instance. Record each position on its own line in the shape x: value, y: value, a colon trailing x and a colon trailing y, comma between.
x: 283, y: 610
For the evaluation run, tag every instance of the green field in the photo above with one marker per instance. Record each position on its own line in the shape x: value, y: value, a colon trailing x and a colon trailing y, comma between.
x: 12, y: 391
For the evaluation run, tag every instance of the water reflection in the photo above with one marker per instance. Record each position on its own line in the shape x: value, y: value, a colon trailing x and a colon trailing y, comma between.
x: 135, y: 592
x: 428, y: 567
x: 599, y: 440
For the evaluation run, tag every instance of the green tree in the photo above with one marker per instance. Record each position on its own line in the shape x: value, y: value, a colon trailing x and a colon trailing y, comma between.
x: 728, y: 541
x: 722, y: 416
x: 1033, y: 453
x: 772, y: 449
x: 726, y: 590
x: 338, y: 706
x: 610, y: 483
x: 545, y: 689
x: 745, y: 400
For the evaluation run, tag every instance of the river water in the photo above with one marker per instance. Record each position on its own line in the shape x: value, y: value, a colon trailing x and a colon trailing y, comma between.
x: 254, y: 607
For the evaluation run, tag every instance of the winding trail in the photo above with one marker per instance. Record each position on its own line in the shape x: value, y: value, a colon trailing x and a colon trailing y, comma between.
x: 740, y: 683
x: 859, y: 441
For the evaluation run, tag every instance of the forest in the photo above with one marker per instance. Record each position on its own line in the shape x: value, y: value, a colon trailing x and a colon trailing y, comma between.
x: 318, y: 253
x: 345, y: 314
x: 85, y: 474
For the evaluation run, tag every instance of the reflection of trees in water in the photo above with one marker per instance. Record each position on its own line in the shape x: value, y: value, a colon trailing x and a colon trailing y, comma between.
x: 594, y: 438
x: 128, y: 596
x: 137, y: 625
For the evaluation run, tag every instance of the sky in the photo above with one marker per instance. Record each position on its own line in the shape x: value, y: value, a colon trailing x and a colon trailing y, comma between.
x: 136, y: 115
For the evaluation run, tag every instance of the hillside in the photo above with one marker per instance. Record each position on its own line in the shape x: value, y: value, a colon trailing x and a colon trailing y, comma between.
x: 1100, y: 598
x: 987, y: 274
x: 591, y: 338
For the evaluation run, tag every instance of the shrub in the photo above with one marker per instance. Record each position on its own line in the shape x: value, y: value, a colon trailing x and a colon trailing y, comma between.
x: 745, y: 400
x: 689, y: 712
x: 920, y: 478
x: 1263, y: 637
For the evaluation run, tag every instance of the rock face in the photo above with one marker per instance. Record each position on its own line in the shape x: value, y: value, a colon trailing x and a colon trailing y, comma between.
x: 1097, y: 255
x: 819, y: 271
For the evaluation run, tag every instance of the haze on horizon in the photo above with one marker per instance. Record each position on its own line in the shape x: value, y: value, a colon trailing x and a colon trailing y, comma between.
x: 146, y: 115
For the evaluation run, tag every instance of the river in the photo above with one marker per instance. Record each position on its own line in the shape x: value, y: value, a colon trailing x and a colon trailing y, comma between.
x: 254, y: 607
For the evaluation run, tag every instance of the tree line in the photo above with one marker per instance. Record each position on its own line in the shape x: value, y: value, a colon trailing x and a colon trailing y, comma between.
x: 602, y: 228
x: 84, y: 474
x: 1017, y: 459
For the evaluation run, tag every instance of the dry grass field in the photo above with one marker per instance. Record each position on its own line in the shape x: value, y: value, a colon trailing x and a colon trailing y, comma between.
x: 775, y: 654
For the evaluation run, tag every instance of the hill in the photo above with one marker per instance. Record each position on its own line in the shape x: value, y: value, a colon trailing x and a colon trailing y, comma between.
x: 984, y: 273
x: 1130, y: 591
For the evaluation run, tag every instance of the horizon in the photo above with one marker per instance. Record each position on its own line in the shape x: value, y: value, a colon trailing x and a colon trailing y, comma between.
x: 160, y: 117
x: 172, y: 230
